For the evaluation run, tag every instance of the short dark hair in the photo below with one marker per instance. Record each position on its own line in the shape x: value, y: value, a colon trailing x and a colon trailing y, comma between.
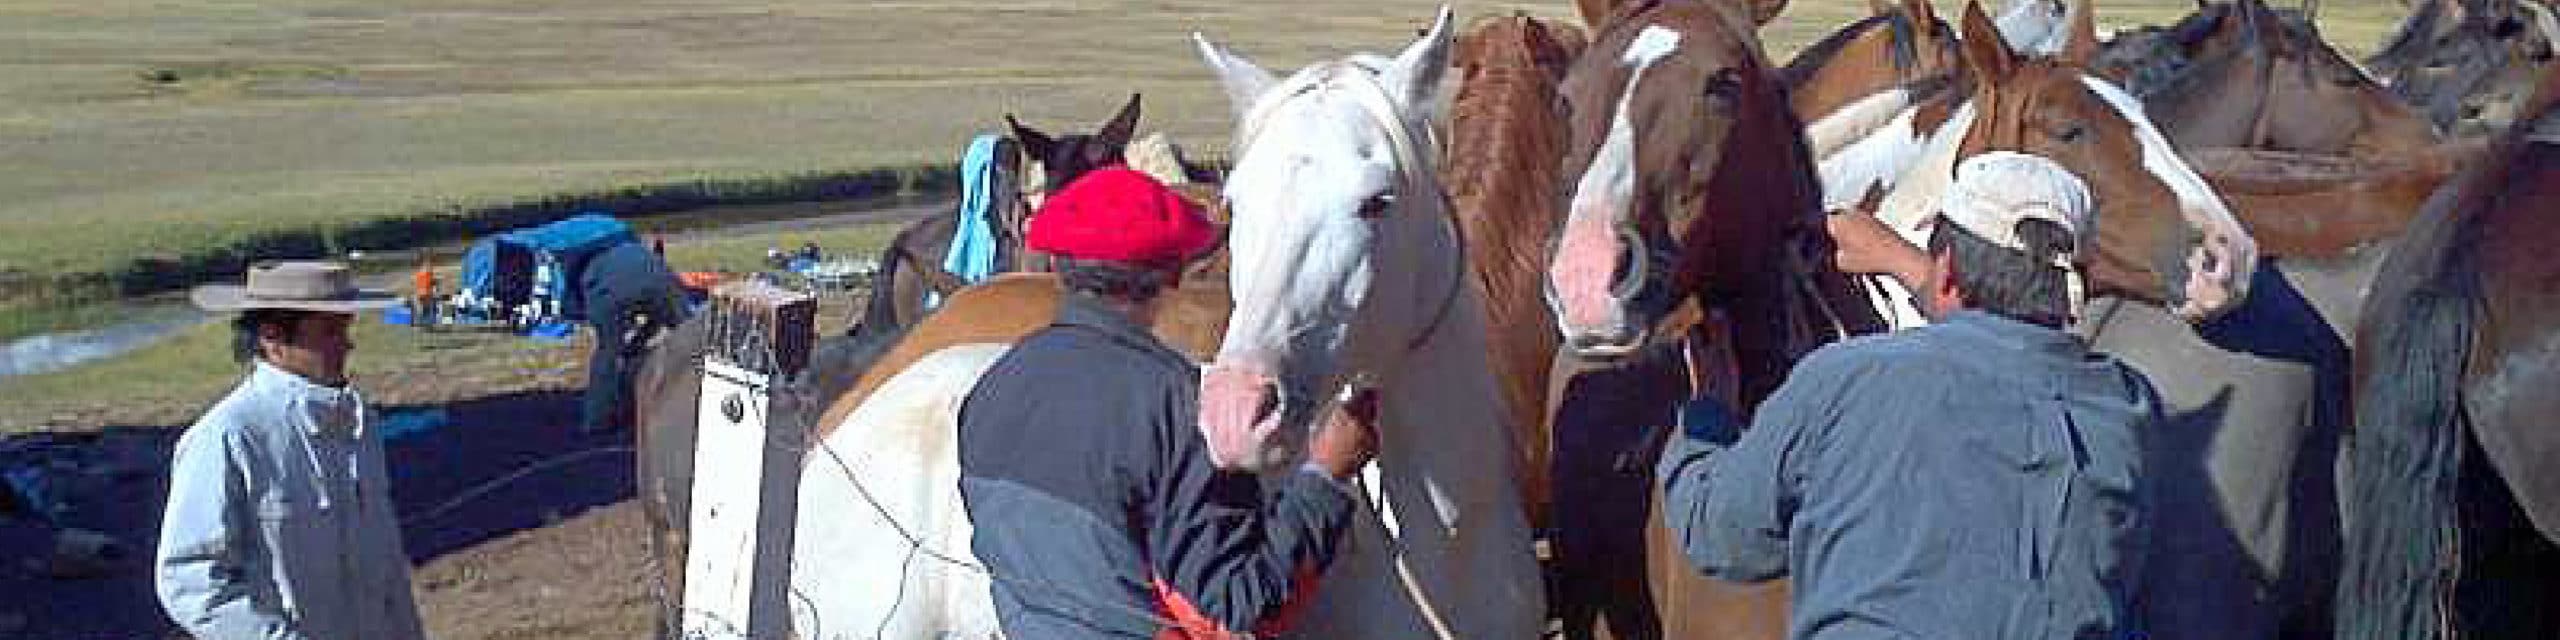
x: 244, y: 329
x: 2024, y: 286
x: 1116, y: 280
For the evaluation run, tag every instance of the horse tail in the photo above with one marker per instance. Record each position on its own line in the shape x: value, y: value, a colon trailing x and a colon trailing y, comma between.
x: 2404, y: 461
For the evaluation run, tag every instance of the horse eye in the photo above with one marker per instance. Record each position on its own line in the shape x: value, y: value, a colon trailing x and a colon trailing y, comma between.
x: 1377, y: 206
x: 2072, y: 132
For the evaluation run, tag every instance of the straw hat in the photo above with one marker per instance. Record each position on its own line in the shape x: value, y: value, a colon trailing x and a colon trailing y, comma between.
x: 299, y: 285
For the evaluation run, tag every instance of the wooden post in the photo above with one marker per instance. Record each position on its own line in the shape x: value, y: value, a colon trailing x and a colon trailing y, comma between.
x: 746, y: 465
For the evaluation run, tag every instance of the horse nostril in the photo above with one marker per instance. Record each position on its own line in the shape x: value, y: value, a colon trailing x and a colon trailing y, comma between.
x: 1631, y: 267
x: 1270, y: 406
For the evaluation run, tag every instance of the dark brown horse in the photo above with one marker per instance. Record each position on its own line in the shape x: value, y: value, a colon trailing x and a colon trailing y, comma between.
x: 2242, y: 75
x: 2452, y: 504
x: 2468, y: 64
x: 2166, y: 239
x: 1694, y: 188
x: 1030, y: 164
x: 1506, y: 134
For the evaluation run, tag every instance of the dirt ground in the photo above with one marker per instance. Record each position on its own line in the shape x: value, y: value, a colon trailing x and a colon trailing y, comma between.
x: 519, y: 526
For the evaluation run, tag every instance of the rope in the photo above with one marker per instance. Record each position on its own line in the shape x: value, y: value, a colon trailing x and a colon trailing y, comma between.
x: 483, y: 489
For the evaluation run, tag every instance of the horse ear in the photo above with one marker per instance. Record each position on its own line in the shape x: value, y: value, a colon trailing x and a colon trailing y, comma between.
x: 1122, y: 126
x: 1921, y: 12
x: 1243, y: 80
x: 1035, y: 144
x: 1417, y: 71
x: 1985, y: 52
x: 1595, y: 12
x: 2080, y: 43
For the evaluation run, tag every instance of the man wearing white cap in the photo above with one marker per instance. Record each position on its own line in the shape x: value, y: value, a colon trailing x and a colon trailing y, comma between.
x: 280, y: 522
x: 1980, y: 477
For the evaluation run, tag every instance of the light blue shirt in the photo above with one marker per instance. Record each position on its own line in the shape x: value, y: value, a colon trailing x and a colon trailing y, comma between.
x: 280, y: 522
x: 1975, y: 478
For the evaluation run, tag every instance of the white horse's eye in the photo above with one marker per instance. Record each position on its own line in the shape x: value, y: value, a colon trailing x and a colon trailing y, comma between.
x: 1377, y: 206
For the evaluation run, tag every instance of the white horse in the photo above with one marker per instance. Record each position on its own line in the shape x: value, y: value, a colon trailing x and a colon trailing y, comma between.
x: 1346, y: 266
x: 1347, y: 269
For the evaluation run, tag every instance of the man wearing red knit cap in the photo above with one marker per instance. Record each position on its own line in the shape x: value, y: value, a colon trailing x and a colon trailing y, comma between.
x: 1095, y: 503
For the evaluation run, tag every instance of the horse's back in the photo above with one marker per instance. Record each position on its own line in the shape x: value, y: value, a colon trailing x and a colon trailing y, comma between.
x: 880, y: 496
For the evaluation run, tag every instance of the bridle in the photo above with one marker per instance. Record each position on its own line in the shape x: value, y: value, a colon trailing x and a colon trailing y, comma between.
x: 1413, y: 153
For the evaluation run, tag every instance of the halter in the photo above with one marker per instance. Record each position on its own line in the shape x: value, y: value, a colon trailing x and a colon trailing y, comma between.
x: 1410, y: 156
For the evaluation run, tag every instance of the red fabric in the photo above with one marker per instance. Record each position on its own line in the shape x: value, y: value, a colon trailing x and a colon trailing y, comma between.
x: 1190, y: 624
x: 1120, y: 215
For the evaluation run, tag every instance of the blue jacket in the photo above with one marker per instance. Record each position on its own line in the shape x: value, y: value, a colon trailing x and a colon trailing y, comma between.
x: 1095, y: 503
x: 1978, y: 478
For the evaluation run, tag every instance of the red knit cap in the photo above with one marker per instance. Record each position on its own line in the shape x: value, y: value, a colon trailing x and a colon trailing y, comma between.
x: 1120, y: 215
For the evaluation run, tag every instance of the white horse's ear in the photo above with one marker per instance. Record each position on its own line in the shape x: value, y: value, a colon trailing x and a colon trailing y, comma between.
x: 1417, y: 72
x: 1244, y: 80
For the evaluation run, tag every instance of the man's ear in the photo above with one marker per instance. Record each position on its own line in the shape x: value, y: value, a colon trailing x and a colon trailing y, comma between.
x: 1944, y: 293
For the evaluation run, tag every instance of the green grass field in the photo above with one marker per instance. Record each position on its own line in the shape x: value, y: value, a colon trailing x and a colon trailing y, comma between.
x: 171, y: 381
x: 138, y: 131
x: 148, y: 131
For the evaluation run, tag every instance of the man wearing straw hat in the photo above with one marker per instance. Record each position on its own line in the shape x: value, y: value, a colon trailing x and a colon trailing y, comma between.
x: 1981, y: 477
x: 280, y: 522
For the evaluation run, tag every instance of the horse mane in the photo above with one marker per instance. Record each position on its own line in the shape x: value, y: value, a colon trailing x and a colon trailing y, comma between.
x: 1814, y: 57
x: 2410, y: 427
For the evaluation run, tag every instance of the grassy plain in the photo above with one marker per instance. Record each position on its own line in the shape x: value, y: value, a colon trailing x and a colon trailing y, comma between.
x: 133, y: 131
x: 139, y: 130
x: 169, y: 382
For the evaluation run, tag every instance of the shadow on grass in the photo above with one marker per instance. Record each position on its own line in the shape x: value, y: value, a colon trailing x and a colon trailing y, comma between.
x: 491, y: 467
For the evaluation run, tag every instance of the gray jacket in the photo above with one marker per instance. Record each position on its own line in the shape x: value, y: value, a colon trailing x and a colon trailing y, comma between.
x: 280, y: 522
x: 1976, y: 478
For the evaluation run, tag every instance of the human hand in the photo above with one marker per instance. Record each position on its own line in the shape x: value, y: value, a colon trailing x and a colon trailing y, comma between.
x: 1349, y: 437
x: 1864, y: 244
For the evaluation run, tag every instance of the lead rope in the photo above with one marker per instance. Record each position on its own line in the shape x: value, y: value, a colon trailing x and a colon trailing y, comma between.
x: 1374, y: 99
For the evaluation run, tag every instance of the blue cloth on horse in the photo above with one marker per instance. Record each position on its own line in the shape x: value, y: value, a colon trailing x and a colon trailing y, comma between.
x: 972, y: 256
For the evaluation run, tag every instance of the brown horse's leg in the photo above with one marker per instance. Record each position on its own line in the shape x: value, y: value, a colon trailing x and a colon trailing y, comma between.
x: 1600, y: 503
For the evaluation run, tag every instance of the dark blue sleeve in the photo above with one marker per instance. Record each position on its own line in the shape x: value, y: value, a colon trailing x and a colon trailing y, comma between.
x: 1233, y: 544
x: 1729, y: 494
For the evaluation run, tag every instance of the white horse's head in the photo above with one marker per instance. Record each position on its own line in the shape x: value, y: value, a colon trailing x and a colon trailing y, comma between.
x: 1341, y: 249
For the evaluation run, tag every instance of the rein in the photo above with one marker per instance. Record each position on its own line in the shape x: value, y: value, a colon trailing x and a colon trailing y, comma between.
x: 1409, y: 157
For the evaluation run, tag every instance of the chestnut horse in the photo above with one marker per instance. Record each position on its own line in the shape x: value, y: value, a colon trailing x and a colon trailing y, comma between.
x: 1693, y: 188
x: 1506, y: 133
x: 2451, y: 504
x: 1898, y: 44
x: 2166, y: 237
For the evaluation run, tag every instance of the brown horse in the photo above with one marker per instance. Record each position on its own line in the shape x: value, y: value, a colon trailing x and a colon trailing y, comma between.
x: 1694, y: 188
x: 2468, y: 64
x: 2452, y: 505
x: 1032, y: 163
x: 1898, y: 44
x: 1506, y: 133
x: 2241, y: 75
x: 2165, y: 238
